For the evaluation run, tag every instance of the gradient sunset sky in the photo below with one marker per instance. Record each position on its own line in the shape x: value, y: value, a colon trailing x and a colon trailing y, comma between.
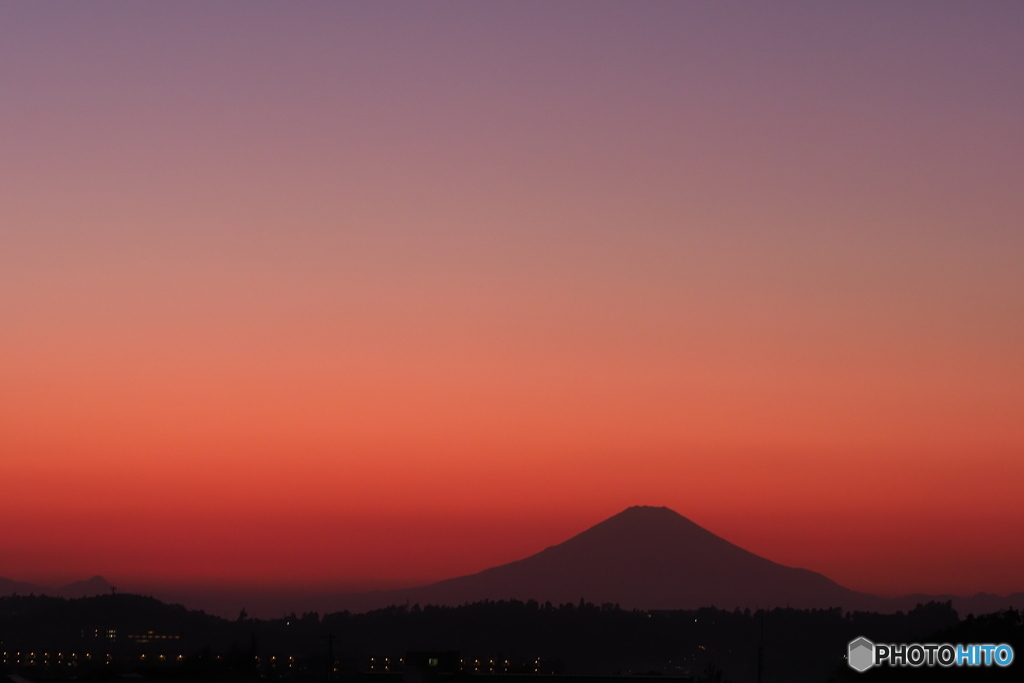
x: 331, y: 295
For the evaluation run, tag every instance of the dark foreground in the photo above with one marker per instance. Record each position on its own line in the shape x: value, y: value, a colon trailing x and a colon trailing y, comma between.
x: 125, y: 637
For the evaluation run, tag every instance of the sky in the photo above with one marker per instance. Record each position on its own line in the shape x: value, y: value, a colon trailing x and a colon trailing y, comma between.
x: 323, y: 296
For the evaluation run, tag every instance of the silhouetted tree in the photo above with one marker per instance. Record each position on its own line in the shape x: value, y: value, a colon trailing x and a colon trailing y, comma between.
x: 712, y: 674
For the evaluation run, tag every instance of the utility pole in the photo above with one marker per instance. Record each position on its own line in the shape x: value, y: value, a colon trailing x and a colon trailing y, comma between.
x: 760, y: 652
x: 330, y: 657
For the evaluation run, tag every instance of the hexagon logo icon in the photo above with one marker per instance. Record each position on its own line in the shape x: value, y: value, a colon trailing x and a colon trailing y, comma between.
x: 861, y: 655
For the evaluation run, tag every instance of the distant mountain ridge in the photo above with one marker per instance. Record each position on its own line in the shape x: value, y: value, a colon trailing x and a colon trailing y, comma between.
x: 654, y: 558
x: 643, y: 557
x: 97, y: 585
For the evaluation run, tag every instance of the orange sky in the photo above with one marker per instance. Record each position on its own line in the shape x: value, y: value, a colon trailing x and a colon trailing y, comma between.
x: 330, y: 296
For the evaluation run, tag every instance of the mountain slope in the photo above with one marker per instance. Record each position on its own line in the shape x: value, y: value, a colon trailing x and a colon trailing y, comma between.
x: 12, y: 587
x: 97, y: 585
x: 643, y: 557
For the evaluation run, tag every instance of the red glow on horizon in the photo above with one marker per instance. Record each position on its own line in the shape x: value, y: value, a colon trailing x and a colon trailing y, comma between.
x: 335, y: 295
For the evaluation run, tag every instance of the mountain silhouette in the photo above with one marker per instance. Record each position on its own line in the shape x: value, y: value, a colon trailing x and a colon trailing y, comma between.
x: 643, y: 557
x: 12, y: 587
x: 97, y: 585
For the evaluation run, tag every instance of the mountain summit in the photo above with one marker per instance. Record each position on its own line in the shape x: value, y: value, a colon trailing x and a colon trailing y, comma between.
x: 646, y: 558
